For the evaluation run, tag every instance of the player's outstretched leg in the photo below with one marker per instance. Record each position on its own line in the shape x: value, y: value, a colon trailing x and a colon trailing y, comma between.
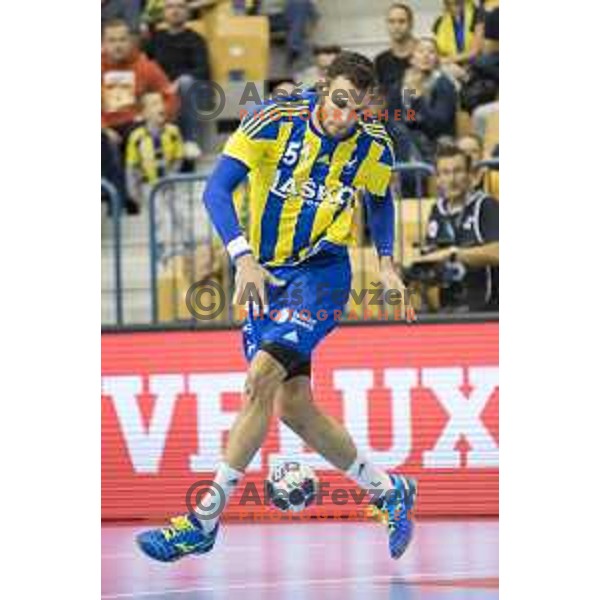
x: 195, y: 533
x: 332, y: 441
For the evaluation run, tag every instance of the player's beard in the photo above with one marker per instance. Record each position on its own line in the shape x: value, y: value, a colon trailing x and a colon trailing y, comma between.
x: 319, y: 117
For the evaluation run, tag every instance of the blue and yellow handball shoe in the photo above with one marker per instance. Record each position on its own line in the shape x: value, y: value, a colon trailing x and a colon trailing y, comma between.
x: 183, y: 537
x: 400, y: 510
x: 396, y: 510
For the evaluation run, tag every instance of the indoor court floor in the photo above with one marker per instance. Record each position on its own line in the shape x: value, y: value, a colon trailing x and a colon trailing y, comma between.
x: 331, y: 560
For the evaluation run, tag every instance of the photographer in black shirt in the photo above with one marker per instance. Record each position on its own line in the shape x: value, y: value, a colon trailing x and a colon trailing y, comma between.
x: 462, y: 253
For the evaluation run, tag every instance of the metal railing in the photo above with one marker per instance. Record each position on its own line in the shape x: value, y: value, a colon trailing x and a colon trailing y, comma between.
x: 116, y: 206
x: 181, y: 237
x: 421, y: 172
x: 183, y: 247
x: 179, y: 224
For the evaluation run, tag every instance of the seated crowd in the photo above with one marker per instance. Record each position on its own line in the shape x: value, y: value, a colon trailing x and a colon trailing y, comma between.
x: 157, y: 70
x: 151, y: 59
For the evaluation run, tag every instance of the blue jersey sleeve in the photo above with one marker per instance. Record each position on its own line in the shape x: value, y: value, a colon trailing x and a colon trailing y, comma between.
x: 381, y: 218
x: 218, y: 198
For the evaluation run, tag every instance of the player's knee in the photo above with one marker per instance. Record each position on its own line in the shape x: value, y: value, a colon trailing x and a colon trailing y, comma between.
x: 260, y: 387
x: 255, y: 383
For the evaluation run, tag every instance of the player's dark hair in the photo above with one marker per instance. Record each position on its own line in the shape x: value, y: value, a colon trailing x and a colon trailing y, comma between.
x: 355, y: 67
x: 332, y: 49
x: 450, y: 150
x: 113, y: 23
x: 406, y: 8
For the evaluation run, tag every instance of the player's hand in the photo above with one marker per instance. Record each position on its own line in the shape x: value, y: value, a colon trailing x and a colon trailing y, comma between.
x: 459, y: 73
x: 413, y: 81
x: 392, y: 281
x: 251, y: 279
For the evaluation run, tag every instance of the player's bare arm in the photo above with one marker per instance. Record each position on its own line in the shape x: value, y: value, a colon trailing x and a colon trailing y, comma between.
x: 478, y: 256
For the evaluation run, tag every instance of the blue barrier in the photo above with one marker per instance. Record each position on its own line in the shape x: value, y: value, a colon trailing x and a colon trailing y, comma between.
x: 116, y: 205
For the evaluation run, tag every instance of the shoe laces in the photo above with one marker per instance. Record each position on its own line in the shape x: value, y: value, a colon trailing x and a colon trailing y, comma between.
x: 382, y: 515
x: 377, y: 514
x: 178, y: 525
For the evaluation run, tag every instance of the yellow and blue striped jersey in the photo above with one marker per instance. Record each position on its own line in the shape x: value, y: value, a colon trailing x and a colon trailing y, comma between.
x: 154, y: 155
x: 304, y: 185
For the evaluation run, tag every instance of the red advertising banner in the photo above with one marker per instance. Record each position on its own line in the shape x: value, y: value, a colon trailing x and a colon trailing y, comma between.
x: 420, y: 399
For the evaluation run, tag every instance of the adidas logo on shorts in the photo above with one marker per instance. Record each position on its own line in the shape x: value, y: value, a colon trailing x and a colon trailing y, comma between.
x: 292, y: 336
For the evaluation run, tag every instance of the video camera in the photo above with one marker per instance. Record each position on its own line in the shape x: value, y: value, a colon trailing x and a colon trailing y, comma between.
x: 447, y: 274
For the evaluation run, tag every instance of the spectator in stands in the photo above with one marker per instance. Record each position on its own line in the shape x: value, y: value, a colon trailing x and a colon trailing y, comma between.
x: 127, y: 74
x: 112, y: 171
x: 432, y: 95
x: 391, y: 65
x: 472, y: 145
x: 274, y: 10
x: 183, y: 55
x: 491, y: 25
x: 484, y: 178
x: 154, y: 12
x: 152, y: 15
x: 284, y: 88
x: 463, y: 235
x: 459, y: 31
x: 482, y: 79
x: 127, y: 10
x: 485, y: 71
x: 317, y: 73
x: 154, y: 149
x: 301, y: 16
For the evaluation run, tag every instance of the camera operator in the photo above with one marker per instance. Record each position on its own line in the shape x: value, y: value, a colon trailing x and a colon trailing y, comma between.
x: 462, y: 254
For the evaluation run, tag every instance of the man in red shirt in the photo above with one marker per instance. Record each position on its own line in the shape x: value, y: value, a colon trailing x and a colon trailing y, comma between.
x: 128, y: 74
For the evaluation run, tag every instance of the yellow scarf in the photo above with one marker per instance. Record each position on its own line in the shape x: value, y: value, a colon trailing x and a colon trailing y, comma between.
x: 445, y: 36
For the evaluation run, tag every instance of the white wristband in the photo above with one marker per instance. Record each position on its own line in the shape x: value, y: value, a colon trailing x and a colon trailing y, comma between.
x: 237, y: 247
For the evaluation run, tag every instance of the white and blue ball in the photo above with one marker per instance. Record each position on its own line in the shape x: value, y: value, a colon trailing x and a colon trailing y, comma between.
x: 292, y: 486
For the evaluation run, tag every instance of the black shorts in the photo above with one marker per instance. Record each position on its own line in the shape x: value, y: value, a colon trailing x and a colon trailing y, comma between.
x: 292, y: 361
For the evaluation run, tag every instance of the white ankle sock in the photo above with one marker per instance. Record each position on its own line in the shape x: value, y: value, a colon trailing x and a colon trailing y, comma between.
x: 369, y: 476
x: 227, y: 479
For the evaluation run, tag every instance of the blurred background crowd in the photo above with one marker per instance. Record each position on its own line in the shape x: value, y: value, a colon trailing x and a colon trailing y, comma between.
x: 156, y: 54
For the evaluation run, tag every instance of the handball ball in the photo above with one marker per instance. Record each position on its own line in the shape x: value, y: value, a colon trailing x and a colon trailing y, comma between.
x: 292, y: 486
